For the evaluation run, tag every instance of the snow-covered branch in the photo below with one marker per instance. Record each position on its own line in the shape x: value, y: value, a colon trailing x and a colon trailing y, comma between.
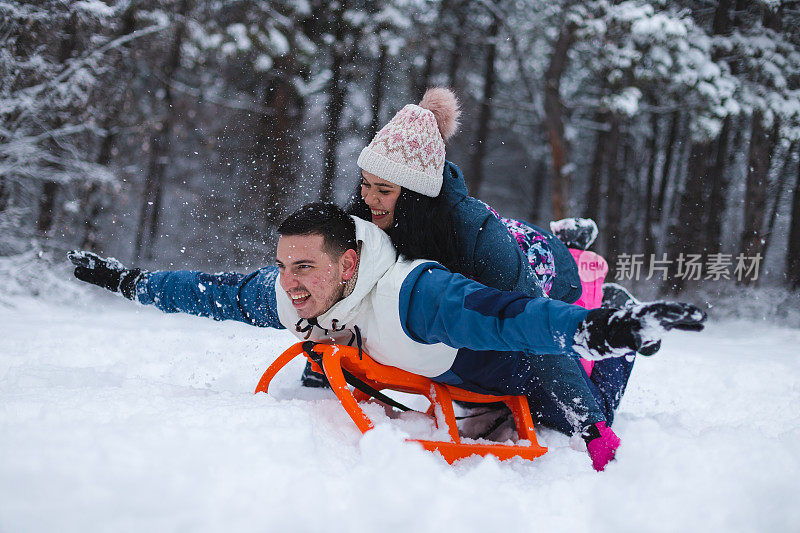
x: 69, y: 129
x: 30, y: 94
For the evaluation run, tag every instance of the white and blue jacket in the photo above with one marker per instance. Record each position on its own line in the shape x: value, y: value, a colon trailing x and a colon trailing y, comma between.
x: 414, y: 315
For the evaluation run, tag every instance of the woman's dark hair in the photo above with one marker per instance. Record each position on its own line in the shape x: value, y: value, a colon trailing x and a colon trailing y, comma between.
x: 422, y: 227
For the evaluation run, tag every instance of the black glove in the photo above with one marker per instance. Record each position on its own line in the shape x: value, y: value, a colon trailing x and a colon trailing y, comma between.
x: 107, y: 273
x: 577, y: 233
x: 638, y: 328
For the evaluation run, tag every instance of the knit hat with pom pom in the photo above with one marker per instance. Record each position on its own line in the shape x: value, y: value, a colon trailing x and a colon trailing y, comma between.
x: 409, y: 150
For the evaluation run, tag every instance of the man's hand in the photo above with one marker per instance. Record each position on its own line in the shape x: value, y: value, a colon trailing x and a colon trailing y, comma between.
x: 618, y: 332
x: 107, y: 273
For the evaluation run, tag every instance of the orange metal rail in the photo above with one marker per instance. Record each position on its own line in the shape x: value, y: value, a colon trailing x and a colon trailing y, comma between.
x: 336, y: 357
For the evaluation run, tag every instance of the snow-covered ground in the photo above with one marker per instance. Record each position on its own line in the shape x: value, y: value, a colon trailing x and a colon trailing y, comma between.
x: 115, y: 417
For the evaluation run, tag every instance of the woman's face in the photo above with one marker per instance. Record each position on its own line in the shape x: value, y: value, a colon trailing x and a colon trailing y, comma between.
x: 381, y: 197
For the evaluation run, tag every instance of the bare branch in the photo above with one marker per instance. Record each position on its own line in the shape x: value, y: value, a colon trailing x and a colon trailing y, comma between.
x: 218, y: 100
x: 69, y: 129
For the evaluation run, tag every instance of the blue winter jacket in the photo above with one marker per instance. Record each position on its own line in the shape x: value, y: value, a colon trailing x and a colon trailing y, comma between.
x: 489, y: 253
x: 436, y: 306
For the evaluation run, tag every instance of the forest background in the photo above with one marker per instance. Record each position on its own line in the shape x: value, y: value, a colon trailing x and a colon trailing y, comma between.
x: 179, y: 133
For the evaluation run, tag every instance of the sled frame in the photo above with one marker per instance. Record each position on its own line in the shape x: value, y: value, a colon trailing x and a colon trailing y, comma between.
x: 336, y: 357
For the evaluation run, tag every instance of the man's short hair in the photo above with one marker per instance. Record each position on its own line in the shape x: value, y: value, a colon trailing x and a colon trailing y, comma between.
x: 336, y: 227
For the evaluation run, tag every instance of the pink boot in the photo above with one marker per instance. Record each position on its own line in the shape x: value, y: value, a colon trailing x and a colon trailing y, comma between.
x: 601, y: 443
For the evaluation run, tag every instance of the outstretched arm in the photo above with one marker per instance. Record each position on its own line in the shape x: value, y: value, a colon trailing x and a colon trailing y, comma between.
x: 226, y: 296
x: 438, y: 306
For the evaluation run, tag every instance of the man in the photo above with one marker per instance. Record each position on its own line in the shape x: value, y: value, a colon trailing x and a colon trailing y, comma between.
x: 338, y: 279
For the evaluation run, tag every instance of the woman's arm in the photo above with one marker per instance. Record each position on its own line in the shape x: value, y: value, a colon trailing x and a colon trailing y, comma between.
x: 499, y: 262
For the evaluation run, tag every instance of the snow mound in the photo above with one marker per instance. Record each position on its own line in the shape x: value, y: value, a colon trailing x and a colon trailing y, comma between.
x: 45, y: 275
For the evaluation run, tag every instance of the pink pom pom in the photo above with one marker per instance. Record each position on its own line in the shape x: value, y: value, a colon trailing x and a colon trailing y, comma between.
x: 442, y: 102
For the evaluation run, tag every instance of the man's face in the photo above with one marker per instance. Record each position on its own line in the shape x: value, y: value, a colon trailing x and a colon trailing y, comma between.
x: 311, y: 277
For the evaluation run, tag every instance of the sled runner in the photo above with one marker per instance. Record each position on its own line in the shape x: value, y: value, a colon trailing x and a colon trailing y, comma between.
x: 369, y: 377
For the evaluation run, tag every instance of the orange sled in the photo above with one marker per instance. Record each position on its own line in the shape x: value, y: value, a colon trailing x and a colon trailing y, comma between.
x: 335, y: 358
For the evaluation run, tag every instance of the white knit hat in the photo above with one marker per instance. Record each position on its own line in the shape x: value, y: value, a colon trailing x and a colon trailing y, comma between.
x: 409, y: 150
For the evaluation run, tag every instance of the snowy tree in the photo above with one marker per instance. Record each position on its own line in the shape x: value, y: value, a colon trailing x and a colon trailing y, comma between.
x: 769, y: 66
x: 262, y: 53
x: 128, y: 126
x: 53, y: 59
x: 622, y: 62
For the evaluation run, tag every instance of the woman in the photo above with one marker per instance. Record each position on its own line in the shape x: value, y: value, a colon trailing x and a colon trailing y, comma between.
x: 420, y: 199
x: 410, y: 191
x: 467, y: 236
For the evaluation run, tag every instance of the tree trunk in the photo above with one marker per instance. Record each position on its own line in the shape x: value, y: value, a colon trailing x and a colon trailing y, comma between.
x: 485, y: 114
x: 687, y: 235
x: 153, y: 181
x: 648, y: 244
x: 755, y: 196
x: 782, y: 180
x: 434, y: 44
x: 595, y: 194
x: 684, y: 153
x: 793, y: 244
x: 155, y: 212
x: 555, y: 122
x: 539, y: 179
x: 5, y: 193
x: 275, y: 153
x: 92, y: 210
x: 377, y: 91
x: 739, y: 12
x: 631, y: 210
x: 719, y: 185
x: 47, y: 201
x: 614, y: 190
x: 91, y: 202
x: 670, y: 156
x: 279, y: 143
x: 336, y: 95
x: 772, y: 19
x: 337, y: 91
x: 458, y: 42
x: 424, y: 80
x: 150, y: 211
x: 722, y: 18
